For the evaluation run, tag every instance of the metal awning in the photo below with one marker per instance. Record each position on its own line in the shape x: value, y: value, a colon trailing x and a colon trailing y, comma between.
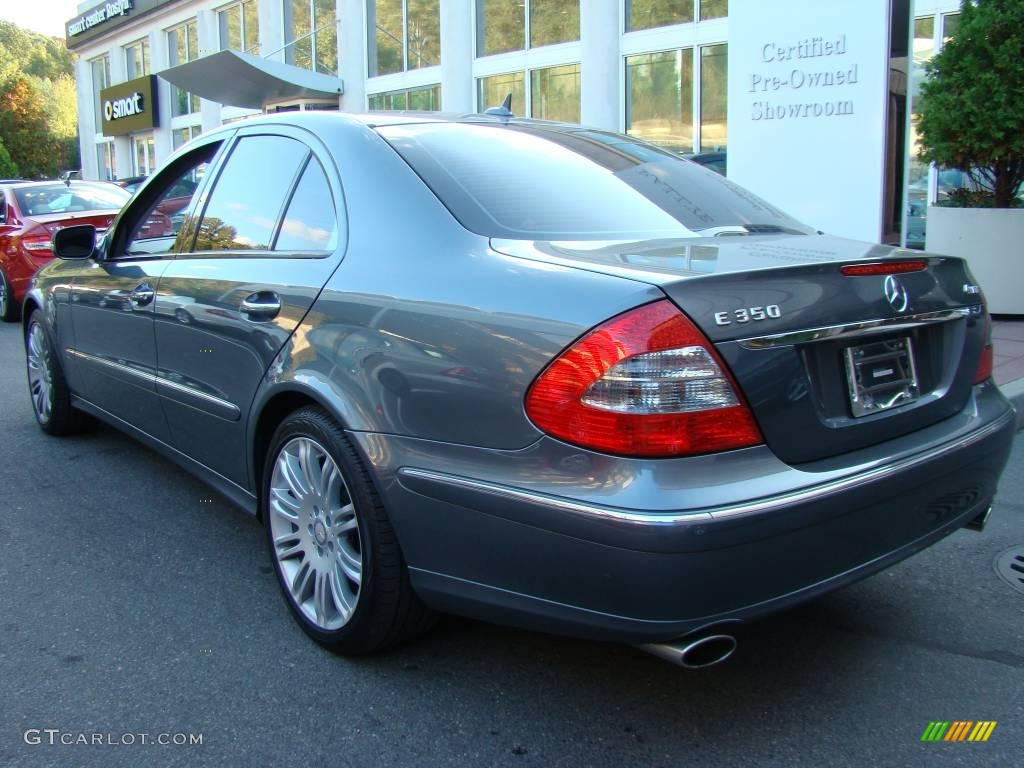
x: 241, y: 80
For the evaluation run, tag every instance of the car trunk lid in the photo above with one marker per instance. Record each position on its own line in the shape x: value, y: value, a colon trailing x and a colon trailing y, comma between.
x: 828, y: 362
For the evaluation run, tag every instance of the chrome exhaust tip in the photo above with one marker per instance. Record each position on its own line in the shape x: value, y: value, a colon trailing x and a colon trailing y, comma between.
x: 694, y: 653
x: 979, y: 523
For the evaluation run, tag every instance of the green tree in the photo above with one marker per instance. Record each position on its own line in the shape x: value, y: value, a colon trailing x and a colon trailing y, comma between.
x: 972, y: 108
x: 25, y: 131
x: 38, y: 104
x: 8, y: 168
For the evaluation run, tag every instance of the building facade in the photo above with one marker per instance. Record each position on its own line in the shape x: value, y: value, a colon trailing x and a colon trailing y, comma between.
x: 657, y: 69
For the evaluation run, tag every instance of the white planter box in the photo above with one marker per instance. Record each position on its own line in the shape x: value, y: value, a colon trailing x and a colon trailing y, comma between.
x: 992, y: 242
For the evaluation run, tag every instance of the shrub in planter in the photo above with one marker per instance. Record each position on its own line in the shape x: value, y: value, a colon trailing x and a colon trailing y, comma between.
x: 971, y: 115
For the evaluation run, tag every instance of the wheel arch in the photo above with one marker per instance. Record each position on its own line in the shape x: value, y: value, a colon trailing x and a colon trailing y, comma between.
x: 272, y: 409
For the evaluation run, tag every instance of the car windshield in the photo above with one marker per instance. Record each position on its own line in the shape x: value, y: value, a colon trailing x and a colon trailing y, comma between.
x: 42, y: 199
x: 524, y: 180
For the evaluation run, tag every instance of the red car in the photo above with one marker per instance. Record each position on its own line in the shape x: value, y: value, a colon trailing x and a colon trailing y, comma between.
x: 30, y: 212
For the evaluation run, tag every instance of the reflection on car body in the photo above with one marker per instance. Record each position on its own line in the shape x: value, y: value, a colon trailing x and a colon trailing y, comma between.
x: 472, y: 365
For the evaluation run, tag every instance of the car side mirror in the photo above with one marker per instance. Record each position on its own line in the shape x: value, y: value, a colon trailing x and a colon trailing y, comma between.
x: 77, y: 242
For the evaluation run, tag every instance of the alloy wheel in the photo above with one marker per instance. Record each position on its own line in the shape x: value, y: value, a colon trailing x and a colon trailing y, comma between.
x: 40, y: 378
x: 315, y: 534
x: 4, y: 294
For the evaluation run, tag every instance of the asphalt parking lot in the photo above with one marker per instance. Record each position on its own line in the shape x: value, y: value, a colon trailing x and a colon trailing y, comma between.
x: 134, y: 600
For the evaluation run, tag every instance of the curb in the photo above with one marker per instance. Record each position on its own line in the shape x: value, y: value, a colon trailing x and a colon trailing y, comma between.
x: 1014, y: 392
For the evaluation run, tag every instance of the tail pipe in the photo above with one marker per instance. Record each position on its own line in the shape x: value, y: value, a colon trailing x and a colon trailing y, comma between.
x: 694, y: 652
x: 978, y: 523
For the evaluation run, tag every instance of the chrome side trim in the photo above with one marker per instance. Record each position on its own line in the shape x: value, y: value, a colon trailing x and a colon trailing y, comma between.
x: 852, y: 330
x: 147, y: 377
x: 231, y: 410
x: 769, y: 504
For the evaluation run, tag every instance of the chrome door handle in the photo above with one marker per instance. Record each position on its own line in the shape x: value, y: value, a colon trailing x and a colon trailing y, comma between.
x: 142, y: 295
x: 261, y: 306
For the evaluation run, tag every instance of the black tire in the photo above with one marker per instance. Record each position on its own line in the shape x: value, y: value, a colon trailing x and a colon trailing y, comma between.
x: 387, y: 611
x: 9, y: 309
x: 61, y: 419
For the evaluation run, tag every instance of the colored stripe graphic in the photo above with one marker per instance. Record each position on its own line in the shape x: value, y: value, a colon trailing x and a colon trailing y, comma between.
x: 935, y: 730
x: 958, y: 730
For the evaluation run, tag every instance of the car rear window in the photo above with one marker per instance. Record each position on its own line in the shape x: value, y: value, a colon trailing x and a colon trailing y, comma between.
x: 42, y: 199
x: 522, y: 180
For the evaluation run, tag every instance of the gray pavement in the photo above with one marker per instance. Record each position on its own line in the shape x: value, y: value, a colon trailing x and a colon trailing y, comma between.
x: 128, y: 604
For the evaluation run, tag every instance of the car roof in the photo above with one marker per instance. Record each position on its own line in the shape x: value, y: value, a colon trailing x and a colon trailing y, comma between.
x: 321, y: 119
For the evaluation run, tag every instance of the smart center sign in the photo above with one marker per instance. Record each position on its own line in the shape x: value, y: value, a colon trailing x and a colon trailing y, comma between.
x: 130, y: 106
x: 808, y: 96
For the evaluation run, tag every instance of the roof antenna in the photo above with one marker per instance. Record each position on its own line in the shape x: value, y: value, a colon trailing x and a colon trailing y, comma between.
x: 505, y: 110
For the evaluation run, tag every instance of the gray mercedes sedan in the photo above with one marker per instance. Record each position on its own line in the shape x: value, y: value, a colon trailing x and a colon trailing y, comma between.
x: 523, y: 371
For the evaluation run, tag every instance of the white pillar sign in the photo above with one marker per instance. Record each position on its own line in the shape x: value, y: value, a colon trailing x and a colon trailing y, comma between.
x: 808, y: 90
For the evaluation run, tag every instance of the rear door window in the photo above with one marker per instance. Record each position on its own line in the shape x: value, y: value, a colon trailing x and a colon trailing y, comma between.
x: 310, y: 223
x: 249, y: 195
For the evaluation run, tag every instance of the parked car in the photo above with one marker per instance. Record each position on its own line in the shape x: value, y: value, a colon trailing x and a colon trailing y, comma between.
x: 716, y: 161
x: 30, y: 212
x: 130, y: 183
x: 509, y: 369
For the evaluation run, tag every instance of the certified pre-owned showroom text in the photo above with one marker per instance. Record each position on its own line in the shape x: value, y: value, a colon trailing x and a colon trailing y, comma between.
x: 55, y: 736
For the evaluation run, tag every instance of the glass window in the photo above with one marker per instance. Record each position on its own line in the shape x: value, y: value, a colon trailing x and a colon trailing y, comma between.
x: 427, y: 98
x: 917, y: 173
x: 310, y: 223
x: 403, y: 34
x: 713, y: 9
x: 644, y: 14
x: 500, y: 26
x: 240, y: 27
x: 554, y: 21
x: 491, y: 91
x: 311, y: 32
x: 41, y: 199
x: 106, y: 160
x: 423, y: 33
x: 527, y: 181
x: 137, y: 59
x: 555, y: 93
x: 249, y: 194
x: 659, y: 98
x: 158, y: 230
x: 143, y: 155
x: 298, y: 33
x: 325, y: 39
x: 950, y: 22
x: 385, y: 34
x: 182, y: 47
x: 714, y: 97
x: 184, y: 135
x: 100, y: 80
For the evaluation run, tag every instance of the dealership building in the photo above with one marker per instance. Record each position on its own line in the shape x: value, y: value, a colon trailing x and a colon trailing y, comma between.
x: 812, y: 101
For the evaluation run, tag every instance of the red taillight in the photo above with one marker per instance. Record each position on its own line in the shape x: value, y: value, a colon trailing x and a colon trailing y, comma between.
x: 645, y: 383
x: 37, y: 243
x: 884, y: 268
x: 984, y: 372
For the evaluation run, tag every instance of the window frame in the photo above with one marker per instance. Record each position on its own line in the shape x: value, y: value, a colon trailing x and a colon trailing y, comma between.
x: 314, y: 149
x: 190, y: 55
x: 478, y: 33
x: 142, y: 44
x: 151, y: 191
x: 240, y: 5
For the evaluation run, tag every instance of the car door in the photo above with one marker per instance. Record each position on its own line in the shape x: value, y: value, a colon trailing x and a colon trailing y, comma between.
x: 264, y: 245
x: 112, y: 362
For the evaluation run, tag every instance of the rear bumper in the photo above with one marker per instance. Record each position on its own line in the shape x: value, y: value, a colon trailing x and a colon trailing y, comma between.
x: 636, y: 553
